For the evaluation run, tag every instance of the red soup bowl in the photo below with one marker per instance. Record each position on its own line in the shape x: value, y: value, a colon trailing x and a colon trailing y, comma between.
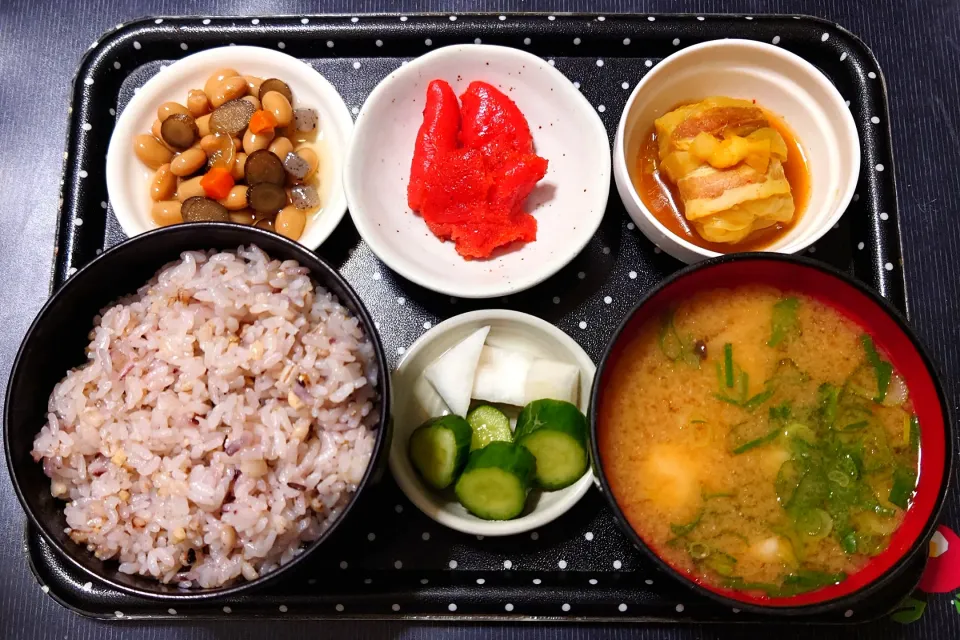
x: 893, y: 338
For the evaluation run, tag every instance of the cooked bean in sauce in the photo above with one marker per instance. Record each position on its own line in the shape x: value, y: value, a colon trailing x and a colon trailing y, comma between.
x: 240, y: 149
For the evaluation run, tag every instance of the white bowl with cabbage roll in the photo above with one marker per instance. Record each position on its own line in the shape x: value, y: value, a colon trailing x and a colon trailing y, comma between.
x: 511, y: 339
x: 783, y: 85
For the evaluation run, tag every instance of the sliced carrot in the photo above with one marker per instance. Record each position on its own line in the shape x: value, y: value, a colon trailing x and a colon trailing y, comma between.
x: 217, y: 183
x: 262, y: 121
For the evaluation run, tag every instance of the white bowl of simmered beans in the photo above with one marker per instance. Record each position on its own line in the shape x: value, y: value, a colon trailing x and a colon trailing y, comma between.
x: 234, y: 134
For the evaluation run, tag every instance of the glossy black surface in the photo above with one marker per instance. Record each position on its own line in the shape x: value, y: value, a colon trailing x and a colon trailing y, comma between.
x: 56, y: 343
x: 41, y: 44
x: 461, y: 575
x: 627, y: 330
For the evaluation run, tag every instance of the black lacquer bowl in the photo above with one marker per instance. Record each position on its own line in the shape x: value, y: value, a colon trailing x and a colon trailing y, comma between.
x: 56, y: 341
x: 893, y: 337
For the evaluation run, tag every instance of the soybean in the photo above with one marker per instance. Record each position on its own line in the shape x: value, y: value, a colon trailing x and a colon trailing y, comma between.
x: 203, y: 125
x: 244, y: 216
x: 167, y: 109
x: 190, y: 188
x: 157, y: 131
x: 239, y: 166
x: 166, y: 212
x: 280, y: 147
x: 290, y: 222
x: 236, y: 199
x: 275, y: 84
x: 150, y: 151
x: 198, y: 104
x: 311, y: 158
x: 279, y: 106
x: 230, y: 89
x: 253, y: 84
x: 256, y: 141
x: 164, y: 184
x: 190, y: 161
x: 218, y: 77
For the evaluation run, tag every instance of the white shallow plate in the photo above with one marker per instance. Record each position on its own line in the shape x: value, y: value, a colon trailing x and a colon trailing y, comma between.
x: 128, y: 179
x: 568, y: 203
x: 415, y: 400
x: 779, y: 81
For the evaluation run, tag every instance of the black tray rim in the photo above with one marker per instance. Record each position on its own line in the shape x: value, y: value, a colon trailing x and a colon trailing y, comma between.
x: 128, y: 30
x: 454, y: 618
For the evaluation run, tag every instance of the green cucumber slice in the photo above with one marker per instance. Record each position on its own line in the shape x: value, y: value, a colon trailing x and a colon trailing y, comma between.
x: 496, y: 480
x: 438, y: 449
x: 555, y: 432
x: 489, y: 424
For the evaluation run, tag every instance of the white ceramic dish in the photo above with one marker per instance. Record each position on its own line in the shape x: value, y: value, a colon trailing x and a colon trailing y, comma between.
x: 128, y: 179
x: 568, y: 203
x: 415, y: 401
x: 781, y: 82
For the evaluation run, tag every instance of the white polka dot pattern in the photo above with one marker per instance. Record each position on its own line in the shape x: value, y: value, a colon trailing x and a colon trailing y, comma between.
x: 605, y: 70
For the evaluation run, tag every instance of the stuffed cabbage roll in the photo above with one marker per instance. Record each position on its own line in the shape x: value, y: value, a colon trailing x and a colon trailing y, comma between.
x: 727, y: 163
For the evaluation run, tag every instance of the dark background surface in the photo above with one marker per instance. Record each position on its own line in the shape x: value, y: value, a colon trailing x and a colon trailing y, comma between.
x: 41, y: 42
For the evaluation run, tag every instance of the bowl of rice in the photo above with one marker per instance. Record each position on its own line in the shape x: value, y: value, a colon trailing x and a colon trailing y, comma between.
x: 194, y: 412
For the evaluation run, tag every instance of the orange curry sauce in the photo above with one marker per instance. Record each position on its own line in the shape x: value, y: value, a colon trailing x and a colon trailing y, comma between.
x: 663, y: 200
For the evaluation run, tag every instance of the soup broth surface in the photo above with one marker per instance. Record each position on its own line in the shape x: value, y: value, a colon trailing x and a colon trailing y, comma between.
x: 756, y: 440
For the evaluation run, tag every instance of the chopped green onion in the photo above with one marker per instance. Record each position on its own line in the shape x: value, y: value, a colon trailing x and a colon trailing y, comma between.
x: 727, y: 399
x: 711, y: 496
x: 788, y: 479
x: 722, y: 563
x: 872, y: 545
x: 784, y: 321
x: 795, y: 583
x: 670, y: 343
x: 728, y: 364
x: 838, y: 477
x: 698, y: 550
x: 915, y: 432
x: 739, y: 584
x: 681, y: 530
x: 855, y: 426
x: 881, y: 510
x: 753, y: 444
x: 758, y: 399
x: 677, y: 347
x: 829, y: 397
x: 806, y: 580
x: 882, y: 369
x: 904, y: 482
x: 801, y: 431
x: 780, y: 412
x: 847, y: 464
x: 815, y: 523
x: 698, y: 422
x: 849, y: 543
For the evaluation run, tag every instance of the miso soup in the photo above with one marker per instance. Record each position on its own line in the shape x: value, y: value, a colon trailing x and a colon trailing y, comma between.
x: 758, y: 440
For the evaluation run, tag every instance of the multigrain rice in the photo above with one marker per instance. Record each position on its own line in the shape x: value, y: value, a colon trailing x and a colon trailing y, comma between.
x: 225, y: 415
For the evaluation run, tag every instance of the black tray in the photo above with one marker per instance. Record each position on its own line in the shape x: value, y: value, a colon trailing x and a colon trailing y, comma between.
x: 389, y: 560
